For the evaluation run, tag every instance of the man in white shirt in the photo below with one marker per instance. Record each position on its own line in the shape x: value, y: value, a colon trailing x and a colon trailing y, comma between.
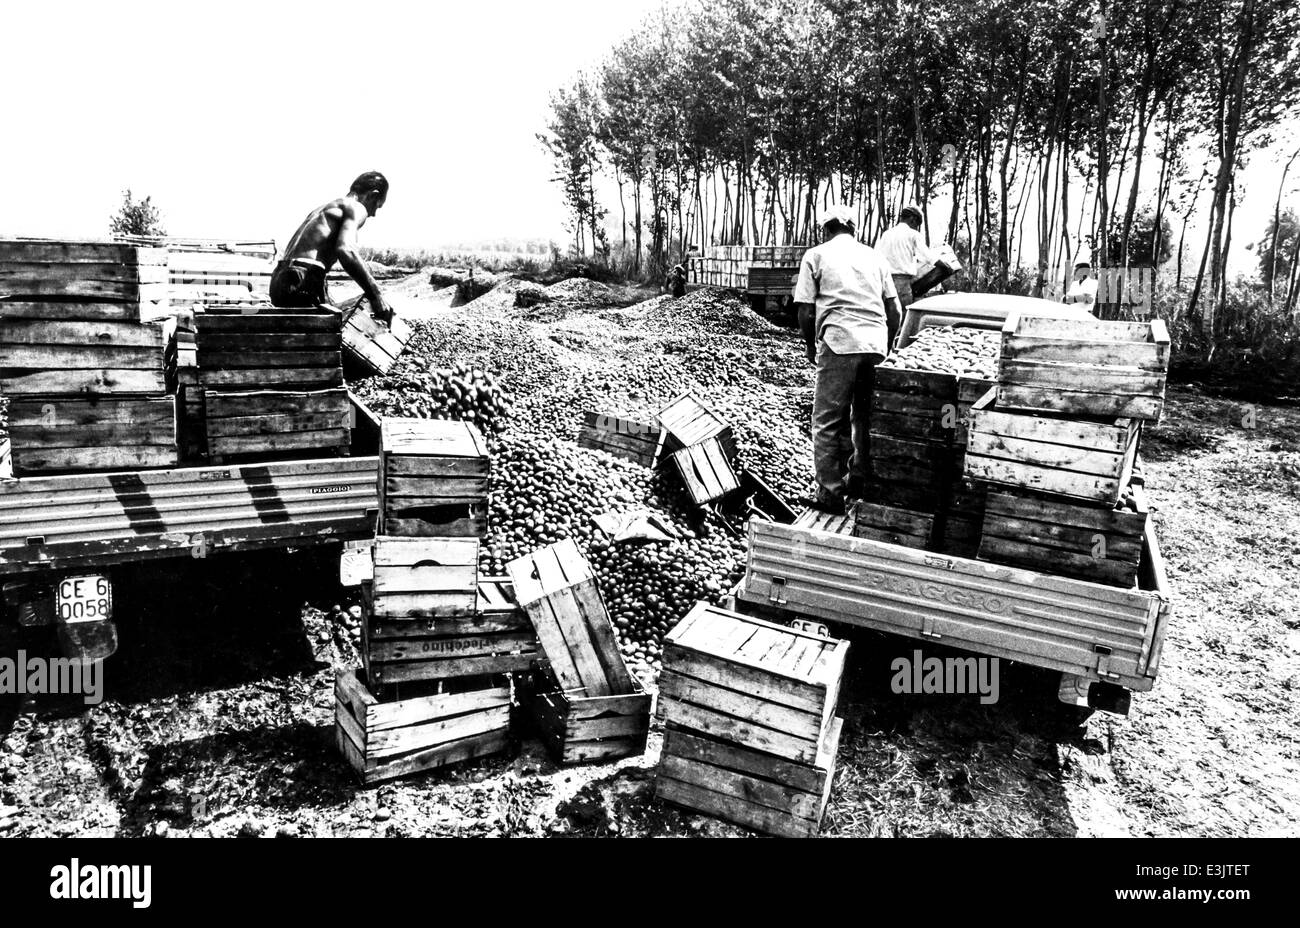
x: 1083, y: 288
x: 903, y: 249
x: 849, y: 315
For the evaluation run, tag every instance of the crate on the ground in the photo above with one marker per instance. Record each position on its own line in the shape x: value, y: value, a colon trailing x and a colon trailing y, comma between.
x: 372, y: 344
x: 424, y: 578
x: 91, y: 348
x: 761, y: 685
x: 255, y: 347
x: 577, y: 728
x: 276, y: 421
x: 90, y: 433
x: 750, y: 788
x: 433, y: 477
x: 1064, y: 537
x: 687, y: 421
x: 706, y: 471
x: 46, y: 269
x: 584, y: 670
x: 1089, y: 459
x: 496, y: 637
x: 384, y: 740
x: 893, y: 524
x: 1083, y: 367
x: 625, y: 438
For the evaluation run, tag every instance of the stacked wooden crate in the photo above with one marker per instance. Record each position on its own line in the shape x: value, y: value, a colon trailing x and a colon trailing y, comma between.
x: 583, y: 702
x: 622, y: 437
x: 271, y: 381
x: 702, y: 448
x: 84, y: 373
x: 750, y: 726
x: 1056, y: 444
x: 438, y: 641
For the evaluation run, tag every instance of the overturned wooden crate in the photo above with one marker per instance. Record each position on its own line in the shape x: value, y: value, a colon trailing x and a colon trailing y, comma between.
x: 433, y: 477
x: 749, y: 710
x: 1090, y: 459
x: 52, y: 434
x: 686, y: 421
x: 625, y: 438
x: 267, y: 421
x: 1066, y: 537
x: 1083, y: 367
x: 583, y: 701
x: 258, y: 347
x: 384, y: 740
x: 706, y: 471
x: 495, y: 638
x: 372, y: 344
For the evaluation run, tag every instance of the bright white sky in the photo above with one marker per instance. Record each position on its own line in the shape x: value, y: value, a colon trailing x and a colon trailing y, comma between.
x: 240, y: 117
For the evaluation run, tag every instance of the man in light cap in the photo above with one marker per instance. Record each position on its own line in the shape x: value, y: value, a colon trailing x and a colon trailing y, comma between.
x: 1083, y: 288
x: 848, y: 312
x: 903, y: 248
x: 326, y: 236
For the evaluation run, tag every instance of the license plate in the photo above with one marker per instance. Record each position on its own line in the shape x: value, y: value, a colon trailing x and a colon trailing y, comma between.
x: 85, y: 598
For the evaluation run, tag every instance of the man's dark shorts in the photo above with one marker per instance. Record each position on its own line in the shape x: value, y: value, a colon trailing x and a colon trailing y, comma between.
x: 298, y: 285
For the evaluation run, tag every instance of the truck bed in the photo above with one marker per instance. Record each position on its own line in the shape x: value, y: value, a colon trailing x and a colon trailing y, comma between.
x: 1105, y: 633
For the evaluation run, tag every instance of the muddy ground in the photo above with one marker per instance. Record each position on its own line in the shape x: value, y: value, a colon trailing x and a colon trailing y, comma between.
x: 218, y: 716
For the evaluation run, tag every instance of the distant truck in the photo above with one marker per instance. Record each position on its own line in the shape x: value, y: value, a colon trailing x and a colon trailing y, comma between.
x: 1105, y: 641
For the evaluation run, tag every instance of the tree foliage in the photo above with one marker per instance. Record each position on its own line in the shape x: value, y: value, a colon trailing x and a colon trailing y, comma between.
x: 136, y: 217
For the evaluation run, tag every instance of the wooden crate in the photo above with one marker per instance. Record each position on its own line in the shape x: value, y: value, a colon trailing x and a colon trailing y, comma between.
x: 432, y: 478
x: 749, y: 788
x: 386, y: 740
x: 557, y: 588
x: 914, y: 405
x: 577, y: 728
x: 740, y: 679
x: 1088, y: 459
x: 899, y: 465
x: 495, y: 638
x: 1066, y: 538
x: 1083, y: 367
x: 94, y: 433
x: 706, y: 471
x: 41, y: 269
x: 276, y: 421
x: 256, y: 347
x: 93, y: 348
x: 423, y: 578
x: 815, y: 519
x: 893, y: 525
x: 686, y: 421
x: 373, y: 345
x: 629, y: 439
x: 969, y: 391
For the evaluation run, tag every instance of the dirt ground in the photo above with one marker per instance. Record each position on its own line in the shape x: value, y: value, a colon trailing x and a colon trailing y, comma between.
x: 218, y: 716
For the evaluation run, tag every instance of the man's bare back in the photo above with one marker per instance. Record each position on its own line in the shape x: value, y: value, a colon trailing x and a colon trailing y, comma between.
x: 326, y: 237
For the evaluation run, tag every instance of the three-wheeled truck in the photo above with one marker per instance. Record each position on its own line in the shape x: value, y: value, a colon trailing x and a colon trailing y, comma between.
x: 1105, y: 641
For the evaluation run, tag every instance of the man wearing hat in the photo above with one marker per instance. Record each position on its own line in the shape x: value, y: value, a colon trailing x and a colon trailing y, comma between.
x: 327, y: 236
x: 848, y: 312
x: 1083, y: 288
x: 903, y: 248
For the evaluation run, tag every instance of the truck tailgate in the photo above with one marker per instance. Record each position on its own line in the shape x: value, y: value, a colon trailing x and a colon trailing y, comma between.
x: 1096, y: 631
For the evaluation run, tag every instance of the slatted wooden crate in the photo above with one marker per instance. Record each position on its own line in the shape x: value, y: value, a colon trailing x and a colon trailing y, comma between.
x: 275, y: 421
x: 706, y: 471
x: 1067, y: 538
x: 557, y: 588
x: 893, y: 525
x: 914, y: 405
x: 66, y: 433
x: 495, y: 638
x: 740, y: 679
x: 424, y: 578
x: 577, y: 728
x: 1083, y: 367
x: 95, y: 271
x: 820, y: 521
x: 625, y: 438
x: 372, y: 344
x: 969, y: 391
x: 686, y: 421
x: 93, y: 348
x: 899, y: 465
x: 432, y: 478
x: 1090, y: 459
x: 384, y: 740
x: 255, y: 347
x: 749, y: 788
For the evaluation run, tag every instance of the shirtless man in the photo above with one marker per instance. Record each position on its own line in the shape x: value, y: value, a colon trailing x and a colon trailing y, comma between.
x: 326, y: 236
